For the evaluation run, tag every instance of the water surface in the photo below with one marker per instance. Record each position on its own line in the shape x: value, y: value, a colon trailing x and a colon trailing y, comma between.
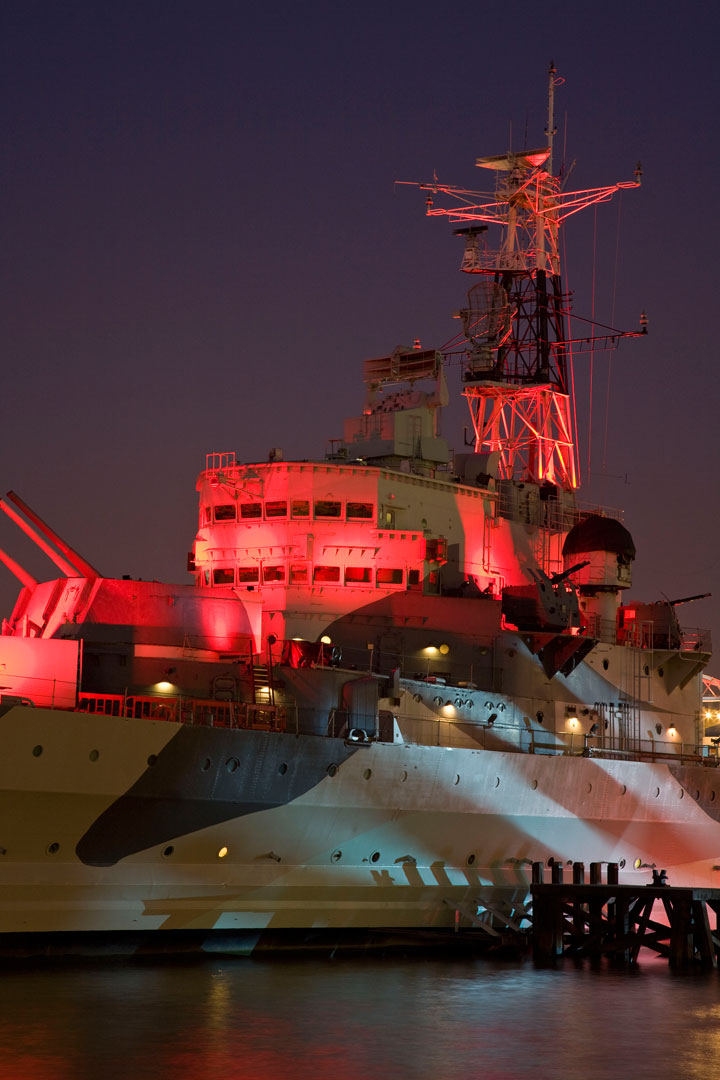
x: 351, y: 1018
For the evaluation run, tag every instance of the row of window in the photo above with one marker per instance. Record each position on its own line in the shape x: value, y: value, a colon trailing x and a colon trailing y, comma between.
x: 328, y: 509
x: 299, y: 574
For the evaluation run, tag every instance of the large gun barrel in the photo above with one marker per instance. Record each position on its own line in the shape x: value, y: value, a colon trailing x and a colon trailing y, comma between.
x: 557, y: 578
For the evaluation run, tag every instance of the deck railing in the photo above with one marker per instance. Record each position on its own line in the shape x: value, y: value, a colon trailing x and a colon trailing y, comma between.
x: 423, y: 730
x: 203, y: 712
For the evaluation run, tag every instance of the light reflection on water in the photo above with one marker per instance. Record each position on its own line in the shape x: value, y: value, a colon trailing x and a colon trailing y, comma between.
x: 351, y: 1018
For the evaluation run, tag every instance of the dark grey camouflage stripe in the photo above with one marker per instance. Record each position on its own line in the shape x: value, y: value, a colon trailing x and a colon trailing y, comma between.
x: 181, y: 793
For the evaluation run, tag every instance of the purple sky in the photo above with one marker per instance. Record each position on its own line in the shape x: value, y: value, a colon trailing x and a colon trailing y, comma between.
x: 201, y: 242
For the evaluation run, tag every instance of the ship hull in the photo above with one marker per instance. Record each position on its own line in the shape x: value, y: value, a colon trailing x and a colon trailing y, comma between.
x: 115, y: 826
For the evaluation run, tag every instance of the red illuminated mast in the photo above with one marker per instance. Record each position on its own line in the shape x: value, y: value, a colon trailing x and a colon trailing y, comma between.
x: 516, y: 372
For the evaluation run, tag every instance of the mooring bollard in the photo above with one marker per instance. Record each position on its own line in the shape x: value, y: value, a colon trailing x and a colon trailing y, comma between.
x: 578, y: 873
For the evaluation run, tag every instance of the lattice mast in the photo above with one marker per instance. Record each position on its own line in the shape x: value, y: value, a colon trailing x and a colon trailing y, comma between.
x: 515, y: 377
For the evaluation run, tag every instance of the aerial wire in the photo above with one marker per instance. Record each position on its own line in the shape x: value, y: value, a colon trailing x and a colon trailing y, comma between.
x: 612, y: 320
x: 592, y: 343
x: 569, y: 319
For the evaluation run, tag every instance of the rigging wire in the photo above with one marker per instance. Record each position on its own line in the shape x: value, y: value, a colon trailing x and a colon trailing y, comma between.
x: 569, y: 320
x: 571, y: 360
x: 592, y: 346
x: 612, y: 320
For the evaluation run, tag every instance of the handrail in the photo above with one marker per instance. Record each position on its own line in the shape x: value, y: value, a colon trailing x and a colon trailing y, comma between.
x: 205, y: 712
x: 208, y: 712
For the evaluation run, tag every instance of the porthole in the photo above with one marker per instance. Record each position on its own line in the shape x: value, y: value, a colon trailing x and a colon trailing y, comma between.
x: 94, y: 755
x: 3, y: 851
x: 657, y: 792
x: 589, y: 788
x: 606, y: 665
x: 167, y: 852
x: 471, y: 858
x: 623, y: 789
x: 52, y: 849
x: 534, y: 785
x: 403, y: 778
x: 205, y: 765
x: 37, y: 750
x: 621, y: 864
x: 375, y: 856
x: 367, y: 774
x: 661, y: 672
x: 282, y: 769
x: 457, y: 779
x: 712, y: 796
x: 497, y: 781
x: 332, y: 770
x: 336, y: 855
x: 151, y: 760
x: 681, y: 793
x: 231, y: 764
x: 646, y: 669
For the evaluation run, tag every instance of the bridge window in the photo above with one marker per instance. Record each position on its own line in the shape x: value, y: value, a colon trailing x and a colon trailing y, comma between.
x: 273, y: 574
x: 358, y: 575
x: 300, y: 508
x: 250, y: 510
x: 327, y: 573
x: 247, y: 574
x: 298, y: 574
x: 225, y: 512
x: 275, y: 509
x: 357, y: 511
x: 389, y: 576
x: 326, y: 509
x: 224, y: 576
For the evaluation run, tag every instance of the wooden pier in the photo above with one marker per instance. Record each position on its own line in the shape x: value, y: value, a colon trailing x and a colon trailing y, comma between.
x: 604, y: 918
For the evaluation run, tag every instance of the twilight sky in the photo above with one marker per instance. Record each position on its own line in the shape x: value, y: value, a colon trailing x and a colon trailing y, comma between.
x: 202, y: 241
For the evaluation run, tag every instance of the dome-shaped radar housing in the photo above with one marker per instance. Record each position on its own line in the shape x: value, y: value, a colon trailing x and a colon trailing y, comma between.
x: 597, y: 533
x: 608, y: 550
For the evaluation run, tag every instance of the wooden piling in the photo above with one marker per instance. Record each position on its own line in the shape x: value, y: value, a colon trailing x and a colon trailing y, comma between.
x: 616, y: 921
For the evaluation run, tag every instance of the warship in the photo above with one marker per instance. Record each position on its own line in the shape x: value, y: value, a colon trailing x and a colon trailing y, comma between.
x: 398, y: 677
